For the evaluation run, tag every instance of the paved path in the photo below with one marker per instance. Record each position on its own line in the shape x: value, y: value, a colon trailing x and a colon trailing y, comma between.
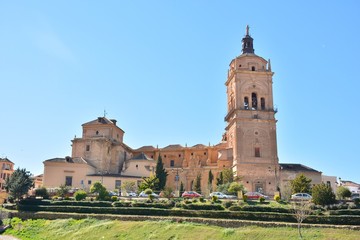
x: 7, y: 237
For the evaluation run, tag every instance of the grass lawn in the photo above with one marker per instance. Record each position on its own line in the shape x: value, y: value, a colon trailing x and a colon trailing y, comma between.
x: 89, y: 229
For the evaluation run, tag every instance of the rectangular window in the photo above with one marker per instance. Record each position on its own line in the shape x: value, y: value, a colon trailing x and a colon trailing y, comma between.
x: 328, y: 183
x: 89, y: 182
x: 257, y: 152
x: 87, y: 148
x: 172, y: 163
x: 117, y: 184
x: 68, y: 181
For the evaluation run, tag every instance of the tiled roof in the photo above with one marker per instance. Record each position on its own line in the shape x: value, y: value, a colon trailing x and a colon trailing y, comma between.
x: 173, y: 146
x: 100, y: 120
x: 68, y: 160
x: 145, y: 148
x: 199, y: 146
x: 296, y: 167
x: 5, y: 160
x: 142, y: 156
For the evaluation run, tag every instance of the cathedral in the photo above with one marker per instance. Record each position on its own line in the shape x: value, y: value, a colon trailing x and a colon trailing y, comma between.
x: 248, y: 146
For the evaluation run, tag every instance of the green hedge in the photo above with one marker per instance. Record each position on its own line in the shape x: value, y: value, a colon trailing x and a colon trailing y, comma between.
x: 200, y: 206
x: 345, y: 212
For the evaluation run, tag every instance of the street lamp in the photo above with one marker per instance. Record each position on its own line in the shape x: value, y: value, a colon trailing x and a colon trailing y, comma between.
x: 177, y: 178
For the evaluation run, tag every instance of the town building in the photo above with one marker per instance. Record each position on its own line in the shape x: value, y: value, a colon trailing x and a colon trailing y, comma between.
x: 248, y: 146
x: 6, y: 170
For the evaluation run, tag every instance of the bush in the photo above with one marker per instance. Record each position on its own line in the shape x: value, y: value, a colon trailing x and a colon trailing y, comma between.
x: 343, y: 192
x: 227, y: 204
x: 277, y: 198
x: 261, y: 199
x: 357, y: 201
x: 202, y: 199
x: 80, y: 195
x: 114, y: 198
x: 322, y: 194
x: 214, y: 198
x: 121, y: 204
x: 42, y: 192
x: 245, y: 198
x: 235, y: 208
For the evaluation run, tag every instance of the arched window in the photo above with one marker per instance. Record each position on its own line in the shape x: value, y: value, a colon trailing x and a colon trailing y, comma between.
x: 246, y: 102
x: 262, y: 103
x: 253, y: 101
x: 257, y: 152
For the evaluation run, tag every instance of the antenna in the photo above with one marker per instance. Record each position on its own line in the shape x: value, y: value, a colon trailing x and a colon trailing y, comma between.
x: 105, y: 112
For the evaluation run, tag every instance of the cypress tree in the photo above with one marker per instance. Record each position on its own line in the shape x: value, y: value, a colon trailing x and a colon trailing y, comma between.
x: 161, y: 174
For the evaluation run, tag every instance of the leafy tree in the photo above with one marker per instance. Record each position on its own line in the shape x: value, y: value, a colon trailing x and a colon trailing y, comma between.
x: 98, y: 188
x: 80, y: 195
x: 129, y: 186
x: 301, y: 184
x: 343, y: 192
x: 235, y: 187
x: 197, y: 183
x: 42, y: 192
x: 63, y: 190
x: 160, y: 174
x: 148, y: 182
x: 223, y: 188
x: 19, y: 183
x: 220, y: 179
x: 167, y: 193
x: 228, y: 175
x: 322, y: 194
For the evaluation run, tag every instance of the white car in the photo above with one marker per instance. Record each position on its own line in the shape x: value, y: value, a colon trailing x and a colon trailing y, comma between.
x: 301, y: 196
x: 131, y: 194
x: 143, y: 194
x: 221, y: 195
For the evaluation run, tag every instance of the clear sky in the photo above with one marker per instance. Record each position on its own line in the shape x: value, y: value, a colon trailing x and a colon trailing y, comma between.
x: 159, y: 68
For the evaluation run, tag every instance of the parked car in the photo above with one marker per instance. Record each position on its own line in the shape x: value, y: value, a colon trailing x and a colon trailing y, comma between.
x: 255, y: 195
x: 131, y: 194
x: 143, y: 194
x: 190, y: 194
x: 355, y: 196
x: 221, y: 195
x: 301, y: 196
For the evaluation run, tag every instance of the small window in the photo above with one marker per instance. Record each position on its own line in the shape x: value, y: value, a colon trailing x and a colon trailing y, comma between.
x: 89, y: 182
x: 97, y: 132
x: 254, y: 101
x: 252, y: 68
x: 192, y: 154
x: 179, y: 155
x: 164, y: 156
x: 257, y: 152
x: 172, y: 163
x: 117, y: 184
x: 204, y: 153
x: 246, y: 102
x: 137, y: 166
x: 68, y: 181
x: 87, y: 148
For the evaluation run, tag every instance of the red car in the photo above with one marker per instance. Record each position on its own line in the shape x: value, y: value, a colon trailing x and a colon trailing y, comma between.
x: 255, y: 195
x: 190, y: 194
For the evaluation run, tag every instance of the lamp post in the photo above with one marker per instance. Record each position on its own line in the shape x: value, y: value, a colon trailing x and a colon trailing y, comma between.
x: 177, y: 178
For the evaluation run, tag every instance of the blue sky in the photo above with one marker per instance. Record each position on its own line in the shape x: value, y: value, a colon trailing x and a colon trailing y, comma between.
x: 159, y: 68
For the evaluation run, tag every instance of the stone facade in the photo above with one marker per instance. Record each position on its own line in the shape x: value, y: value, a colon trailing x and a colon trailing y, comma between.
x: 248, y: 146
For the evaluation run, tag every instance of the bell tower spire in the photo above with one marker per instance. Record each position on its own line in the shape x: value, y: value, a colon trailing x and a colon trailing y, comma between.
x: 247, y: 42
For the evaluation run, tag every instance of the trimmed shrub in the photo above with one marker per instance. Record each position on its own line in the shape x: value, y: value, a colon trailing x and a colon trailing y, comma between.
x: 277, y: 198
x: 80, y: 195
x: 261, y: 199
x: 121, y: 204
x: 42, y: 192
x: 245, y: 198
x: 214, y: 198
x: 114, y: 198
x: 235, y: 208
x: 227, y: 204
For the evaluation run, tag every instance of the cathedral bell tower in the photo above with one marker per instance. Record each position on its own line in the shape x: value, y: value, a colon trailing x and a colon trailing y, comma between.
x: 251, y: 123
